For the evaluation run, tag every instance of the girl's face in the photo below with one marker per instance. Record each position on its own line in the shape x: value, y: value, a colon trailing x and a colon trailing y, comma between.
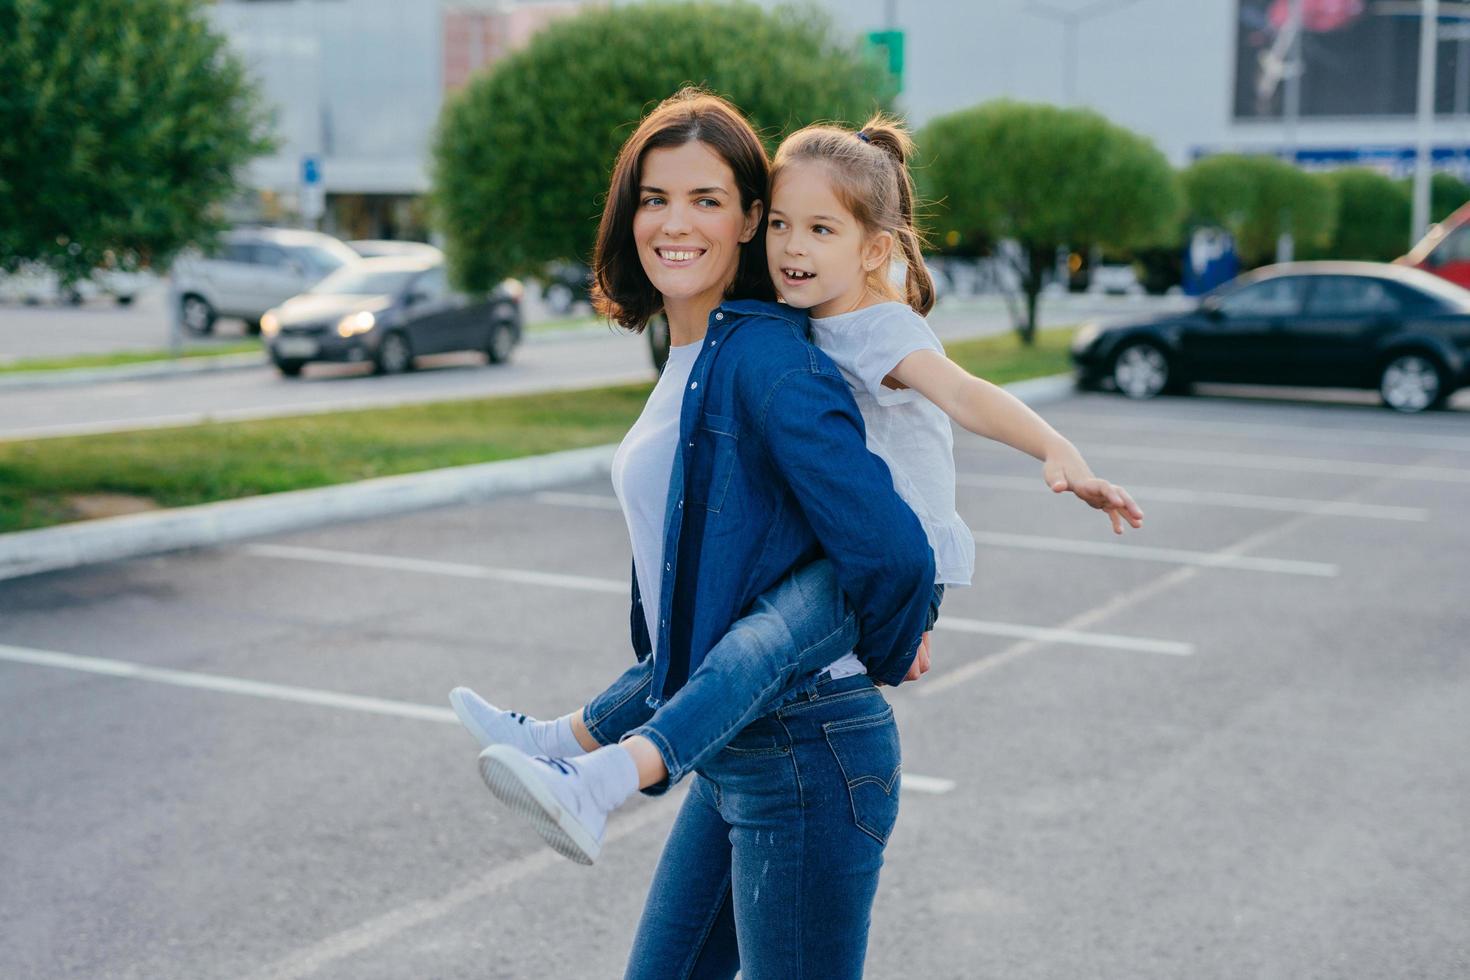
x: 819, y: 255
x: 689, y: 226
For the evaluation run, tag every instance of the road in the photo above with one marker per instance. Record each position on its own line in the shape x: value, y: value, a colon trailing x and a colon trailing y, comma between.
x: 1231, y: 745
x: 596, y: 356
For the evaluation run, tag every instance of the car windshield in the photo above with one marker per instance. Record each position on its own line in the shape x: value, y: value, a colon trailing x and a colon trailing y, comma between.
x: 366, y: 282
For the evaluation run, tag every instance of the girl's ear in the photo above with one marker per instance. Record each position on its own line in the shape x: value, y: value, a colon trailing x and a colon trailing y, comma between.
x: 877, y: 251
x: 752, y: 221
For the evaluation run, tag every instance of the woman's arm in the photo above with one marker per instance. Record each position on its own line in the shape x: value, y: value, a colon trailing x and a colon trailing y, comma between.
x: 814, y: 437
x: 993, y: 412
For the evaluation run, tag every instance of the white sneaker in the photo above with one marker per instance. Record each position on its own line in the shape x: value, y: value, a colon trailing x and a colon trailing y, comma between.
x: 489, y: 724
x: 552, y: 795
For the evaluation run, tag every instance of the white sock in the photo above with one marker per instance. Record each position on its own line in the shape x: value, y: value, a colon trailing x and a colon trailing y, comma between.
x: 556, y: 736
x: 609, y: 775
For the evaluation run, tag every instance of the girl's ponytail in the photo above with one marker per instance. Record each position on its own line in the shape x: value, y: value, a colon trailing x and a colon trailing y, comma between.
x: 890, y: 136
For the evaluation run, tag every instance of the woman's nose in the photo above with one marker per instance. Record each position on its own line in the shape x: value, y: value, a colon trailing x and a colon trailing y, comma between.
x: 676, y: 219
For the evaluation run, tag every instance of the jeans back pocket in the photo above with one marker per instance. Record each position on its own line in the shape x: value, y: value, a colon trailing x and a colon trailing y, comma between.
x: 868, y: 753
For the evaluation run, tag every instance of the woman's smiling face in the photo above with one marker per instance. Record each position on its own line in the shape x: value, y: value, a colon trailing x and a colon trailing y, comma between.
x: 689, y: 225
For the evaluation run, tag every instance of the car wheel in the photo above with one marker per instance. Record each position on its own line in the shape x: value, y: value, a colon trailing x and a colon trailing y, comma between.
x: 1412, y: 382
x: 124, y: 300
x: 197, y: 315
x: 658, y: 341
x: 394, y: 354
x: 559, y: 298
x: 291, y: 369
x: 1141, y: 370
x: 502, y: 342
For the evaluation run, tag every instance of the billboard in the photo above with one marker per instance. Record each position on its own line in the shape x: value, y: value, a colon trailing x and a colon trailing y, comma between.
x: 1360, y: 58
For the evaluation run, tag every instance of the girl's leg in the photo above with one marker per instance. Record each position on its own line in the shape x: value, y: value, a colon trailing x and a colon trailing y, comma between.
x: 687, y: 931
x: 792, y: 632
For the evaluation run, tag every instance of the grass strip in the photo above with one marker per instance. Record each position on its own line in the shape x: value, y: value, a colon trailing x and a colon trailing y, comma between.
x: 49, y: 481
x: 124, y: 357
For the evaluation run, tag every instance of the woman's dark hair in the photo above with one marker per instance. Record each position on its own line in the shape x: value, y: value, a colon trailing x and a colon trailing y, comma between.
x: 621, y: 290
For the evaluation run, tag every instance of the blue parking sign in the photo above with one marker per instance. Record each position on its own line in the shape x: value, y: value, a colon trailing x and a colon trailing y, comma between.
x: 311, y: 171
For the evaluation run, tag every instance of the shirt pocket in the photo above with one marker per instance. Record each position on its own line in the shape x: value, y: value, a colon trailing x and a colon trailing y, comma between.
x: 869, y: 757
x: 717, y: 439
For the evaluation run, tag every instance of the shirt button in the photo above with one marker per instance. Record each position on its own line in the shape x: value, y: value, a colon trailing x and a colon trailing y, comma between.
x: 719, y: 316
x: 681, y: 503
x: 713, y: 342
x: 691, y: 445
x: 668, y: 567
x: 693, y: 384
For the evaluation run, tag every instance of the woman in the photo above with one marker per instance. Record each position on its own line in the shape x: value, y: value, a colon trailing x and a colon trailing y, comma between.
x: 748, y: 463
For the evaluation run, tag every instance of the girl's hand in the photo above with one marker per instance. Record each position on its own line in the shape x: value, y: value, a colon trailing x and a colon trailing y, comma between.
x: 1066, y: 470
x: 920, y: 666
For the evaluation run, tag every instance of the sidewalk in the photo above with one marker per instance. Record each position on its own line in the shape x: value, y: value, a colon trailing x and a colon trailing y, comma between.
x: 207, y: 525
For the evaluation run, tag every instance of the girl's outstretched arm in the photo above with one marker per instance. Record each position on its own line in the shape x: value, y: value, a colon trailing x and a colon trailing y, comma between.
x: 993, y: 412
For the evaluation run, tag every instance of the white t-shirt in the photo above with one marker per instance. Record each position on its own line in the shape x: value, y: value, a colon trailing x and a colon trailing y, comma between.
x: 908, y: 431
x: 641, y: 471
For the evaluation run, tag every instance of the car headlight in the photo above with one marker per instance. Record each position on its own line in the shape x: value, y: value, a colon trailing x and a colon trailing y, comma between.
x: 355, y: 323
x: 269, y: 325
x: 1085, y: 335
x: 513, y: 288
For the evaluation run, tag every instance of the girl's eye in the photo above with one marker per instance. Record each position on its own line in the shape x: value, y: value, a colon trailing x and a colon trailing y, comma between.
x: 778, y: 224
x: 821, y: 229
x: 709, y: 202
x: 650, y: 202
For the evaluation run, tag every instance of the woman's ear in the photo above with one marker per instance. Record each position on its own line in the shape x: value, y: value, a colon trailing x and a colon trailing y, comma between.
x: 752, y: 221
x: 877, y: 251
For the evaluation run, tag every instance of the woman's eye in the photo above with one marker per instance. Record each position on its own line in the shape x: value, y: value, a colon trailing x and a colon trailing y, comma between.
x: 709, y: 202
x: 650, y: 202
x: 821, y: 229
x: 778, y: 224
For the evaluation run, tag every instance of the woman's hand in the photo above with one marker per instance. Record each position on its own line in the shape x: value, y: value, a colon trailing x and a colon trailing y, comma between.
x: 1065, y: 469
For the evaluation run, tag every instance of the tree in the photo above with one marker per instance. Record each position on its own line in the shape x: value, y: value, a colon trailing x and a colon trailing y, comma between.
x: 1372, y: 217
x: 523, y: 153
x: 1447, y: 193
x: 121, y: 128
x: 1256, y: 198
x: 1043, y: 177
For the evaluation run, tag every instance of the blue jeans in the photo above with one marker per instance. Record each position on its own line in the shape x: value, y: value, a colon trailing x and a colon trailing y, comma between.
x: 790, y: 634
x: 773, y: 862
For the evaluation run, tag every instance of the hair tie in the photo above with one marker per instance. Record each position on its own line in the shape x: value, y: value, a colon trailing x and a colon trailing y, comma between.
x: 863, y: 136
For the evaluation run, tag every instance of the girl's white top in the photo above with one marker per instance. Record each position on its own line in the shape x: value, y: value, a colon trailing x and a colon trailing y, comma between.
x: 908, y: 431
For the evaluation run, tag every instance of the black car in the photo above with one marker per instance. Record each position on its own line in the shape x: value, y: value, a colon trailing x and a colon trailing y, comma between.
x: 1330, y: 324
x: 388, y: 311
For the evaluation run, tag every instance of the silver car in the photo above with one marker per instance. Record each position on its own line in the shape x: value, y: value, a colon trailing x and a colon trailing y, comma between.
x: 253, y: 270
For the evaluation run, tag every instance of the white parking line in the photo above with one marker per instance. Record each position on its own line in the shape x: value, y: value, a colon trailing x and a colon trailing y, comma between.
x: 1175, y: 556
x: 926, y: 784
x: 524, y: 577
x: 1265, y: 461
x: 1041, y: 634
x: 1045, y: 634
x: 227, y: 685
x: 1140, y: 425
x: 1216, y: 498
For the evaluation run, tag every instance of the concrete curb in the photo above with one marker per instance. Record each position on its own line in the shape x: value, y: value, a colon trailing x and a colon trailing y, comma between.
x: 131, y: 372
x: 112, y: 538
x: 108, y: 539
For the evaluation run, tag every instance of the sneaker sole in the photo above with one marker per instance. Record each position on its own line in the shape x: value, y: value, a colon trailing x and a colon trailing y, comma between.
x: 462, y: 712
x: 513, y: 778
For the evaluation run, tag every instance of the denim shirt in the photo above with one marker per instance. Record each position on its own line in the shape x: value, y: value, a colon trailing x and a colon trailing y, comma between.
x: 772, y: 472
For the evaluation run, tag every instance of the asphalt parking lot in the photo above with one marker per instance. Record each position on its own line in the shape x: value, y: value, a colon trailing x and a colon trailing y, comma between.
x: 1234, y: 744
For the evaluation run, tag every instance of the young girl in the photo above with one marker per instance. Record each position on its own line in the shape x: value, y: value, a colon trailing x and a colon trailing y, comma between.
x: 841, y: 203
